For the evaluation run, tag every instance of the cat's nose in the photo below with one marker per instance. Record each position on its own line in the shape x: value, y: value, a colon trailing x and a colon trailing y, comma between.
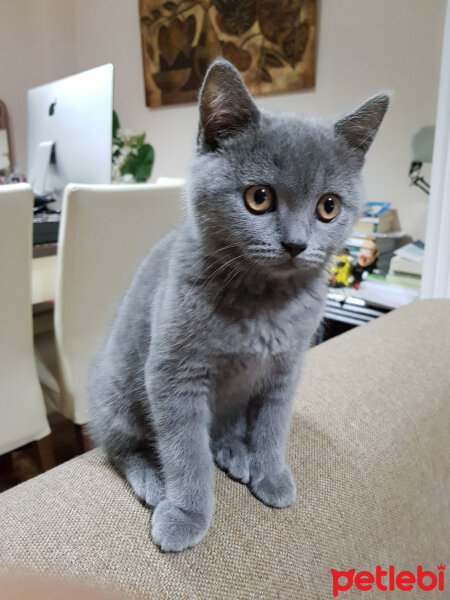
x: 293, y: 249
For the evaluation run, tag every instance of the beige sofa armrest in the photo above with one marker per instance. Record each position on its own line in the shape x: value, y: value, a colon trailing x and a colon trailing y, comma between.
x: 369, y: 452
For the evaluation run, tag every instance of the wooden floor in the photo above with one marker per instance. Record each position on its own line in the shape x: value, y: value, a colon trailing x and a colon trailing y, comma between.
x: 23, y: 464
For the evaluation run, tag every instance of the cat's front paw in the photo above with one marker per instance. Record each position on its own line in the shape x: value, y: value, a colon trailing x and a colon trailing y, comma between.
x: 146, y: 483
x: 232, y: 456
x: 175, y: 529
x: 276, y: 489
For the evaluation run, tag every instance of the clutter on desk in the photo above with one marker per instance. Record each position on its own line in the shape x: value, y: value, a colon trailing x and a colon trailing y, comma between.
x: 374, y: 293
x: 366, y: 260
x: 380, y: 266
x: 15, y: 176
x: 386, y: 234
x: 380, y: 292
x: 340, y: 269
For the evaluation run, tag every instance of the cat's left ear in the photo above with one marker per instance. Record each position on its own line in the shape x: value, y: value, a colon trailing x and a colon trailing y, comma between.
x: 360, y: 127
x: 226, y: 107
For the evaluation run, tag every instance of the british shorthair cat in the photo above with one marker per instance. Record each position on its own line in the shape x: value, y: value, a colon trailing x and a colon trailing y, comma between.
x: 203, y: 358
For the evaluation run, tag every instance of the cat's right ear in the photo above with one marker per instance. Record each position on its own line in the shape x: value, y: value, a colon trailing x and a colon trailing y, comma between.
x: 226, y: 107
x: 360, y: 127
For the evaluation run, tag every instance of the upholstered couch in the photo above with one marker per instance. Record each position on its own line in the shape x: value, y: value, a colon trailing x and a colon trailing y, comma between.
x: 369, y: 449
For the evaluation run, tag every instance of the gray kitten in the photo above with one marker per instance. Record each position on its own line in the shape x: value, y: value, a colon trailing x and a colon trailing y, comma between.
x: 203, y: 358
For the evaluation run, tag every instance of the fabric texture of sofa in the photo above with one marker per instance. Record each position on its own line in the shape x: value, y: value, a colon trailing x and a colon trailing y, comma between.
x: 369, y: 450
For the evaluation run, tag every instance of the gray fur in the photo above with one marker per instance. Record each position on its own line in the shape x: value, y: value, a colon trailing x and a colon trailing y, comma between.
x: 203, y: 358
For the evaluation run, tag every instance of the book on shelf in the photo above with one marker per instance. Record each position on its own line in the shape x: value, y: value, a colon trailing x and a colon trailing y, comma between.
x: 404, y: 271
x: 385, y: 222
x: 374, y: 209
x: 413, y: 252
x: 400, y: 265
x: 412, y: 281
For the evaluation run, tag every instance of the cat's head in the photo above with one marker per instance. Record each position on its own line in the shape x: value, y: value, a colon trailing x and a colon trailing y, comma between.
x: 279, y: 190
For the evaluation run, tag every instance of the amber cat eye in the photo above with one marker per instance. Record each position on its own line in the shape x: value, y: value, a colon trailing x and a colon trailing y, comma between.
x: 259, y: 199
x: 328, y: 207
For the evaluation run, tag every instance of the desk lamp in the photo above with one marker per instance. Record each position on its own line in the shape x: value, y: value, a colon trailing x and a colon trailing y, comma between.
x: 422, y: 152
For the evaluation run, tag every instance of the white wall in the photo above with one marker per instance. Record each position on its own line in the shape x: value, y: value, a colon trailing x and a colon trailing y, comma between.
x: 363, y: 47
x: 37, y: 40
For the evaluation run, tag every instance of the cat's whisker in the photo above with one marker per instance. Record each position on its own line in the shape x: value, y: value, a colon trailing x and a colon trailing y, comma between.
x: 233, y: 274
x: 188, y: 295
x: 262, y: 248
x: 314, y: 255
x: 202, y: 258
x: 220, y: 269
x: 263, y: 251
x: 240, y: 269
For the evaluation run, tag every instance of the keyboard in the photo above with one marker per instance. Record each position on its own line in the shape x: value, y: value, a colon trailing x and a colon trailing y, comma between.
x: 45, y: 228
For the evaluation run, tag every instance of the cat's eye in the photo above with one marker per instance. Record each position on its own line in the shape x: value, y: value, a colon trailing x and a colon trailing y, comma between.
x: 259, y: 199
x: 328, y: 207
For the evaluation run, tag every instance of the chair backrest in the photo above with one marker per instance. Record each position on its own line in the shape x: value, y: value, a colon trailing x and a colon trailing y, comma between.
x: 22, y: 412
x: 106, y: 231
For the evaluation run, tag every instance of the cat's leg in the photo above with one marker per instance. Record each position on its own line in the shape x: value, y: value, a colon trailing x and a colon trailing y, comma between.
x: 229, y: 445
x: 142, y: 473
x: 178, y: 392
x: 123, y: 435
x: 269, y: 416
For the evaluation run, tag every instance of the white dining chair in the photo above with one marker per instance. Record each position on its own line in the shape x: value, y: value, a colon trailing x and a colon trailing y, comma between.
x: 106, y: 231
x: 23, y: 416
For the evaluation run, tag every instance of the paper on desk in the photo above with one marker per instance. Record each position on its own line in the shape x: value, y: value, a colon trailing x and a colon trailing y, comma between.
x: 385, y: 294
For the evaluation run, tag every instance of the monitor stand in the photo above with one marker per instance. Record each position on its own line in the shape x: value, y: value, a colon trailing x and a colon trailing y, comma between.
x: 41, y: 167
x: 46, y: 222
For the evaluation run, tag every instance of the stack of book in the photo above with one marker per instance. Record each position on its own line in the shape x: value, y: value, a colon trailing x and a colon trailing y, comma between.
x: 378, y: 218
x: 406, y: 266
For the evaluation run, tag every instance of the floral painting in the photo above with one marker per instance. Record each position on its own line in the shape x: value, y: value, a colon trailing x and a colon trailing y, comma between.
x: 271, y: 42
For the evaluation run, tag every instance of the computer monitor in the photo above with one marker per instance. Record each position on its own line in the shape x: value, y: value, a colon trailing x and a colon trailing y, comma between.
x: 69, y: 131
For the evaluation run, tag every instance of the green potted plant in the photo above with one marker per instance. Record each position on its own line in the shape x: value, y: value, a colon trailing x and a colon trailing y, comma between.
x: 132, y: 157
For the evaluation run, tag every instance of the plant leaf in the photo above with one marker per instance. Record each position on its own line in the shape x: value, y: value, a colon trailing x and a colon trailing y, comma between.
x: 129, y: 164
x: 145, y: 160
x: 140, y: 139
x: 139, y: 165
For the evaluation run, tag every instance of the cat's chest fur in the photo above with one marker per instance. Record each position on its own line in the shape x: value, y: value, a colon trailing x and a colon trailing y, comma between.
x: 243, y: 351
x: 261, y: 334
x: 267, y: 329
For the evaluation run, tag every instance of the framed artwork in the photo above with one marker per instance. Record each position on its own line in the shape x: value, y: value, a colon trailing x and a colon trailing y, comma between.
x: 271, y: 42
